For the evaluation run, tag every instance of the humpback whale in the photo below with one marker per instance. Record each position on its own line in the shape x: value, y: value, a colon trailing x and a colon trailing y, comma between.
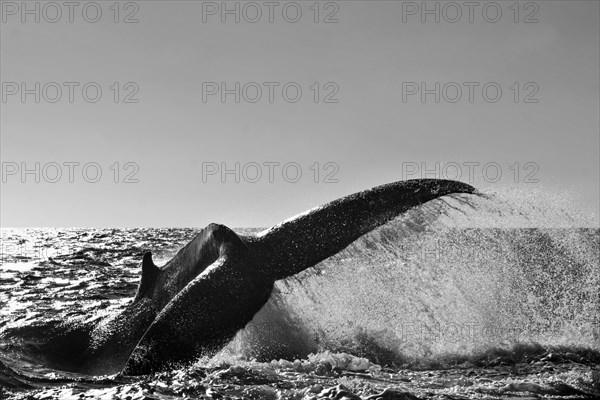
x: 196, y: 303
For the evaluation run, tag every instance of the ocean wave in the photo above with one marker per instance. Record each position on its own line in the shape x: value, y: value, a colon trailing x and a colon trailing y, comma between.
x: 452, y: 284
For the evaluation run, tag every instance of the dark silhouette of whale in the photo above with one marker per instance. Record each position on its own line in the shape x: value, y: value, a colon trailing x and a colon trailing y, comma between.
x: 214, y: 286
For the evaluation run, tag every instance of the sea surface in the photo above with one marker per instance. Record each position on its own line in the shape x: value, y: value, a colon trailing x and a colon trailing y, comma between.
x: 488, y: 297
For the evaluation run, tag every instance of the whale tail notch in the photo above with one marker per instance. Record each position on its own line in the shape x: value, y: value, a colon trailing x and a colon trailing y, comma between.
x: 309, y: 238
x: 150, y: 273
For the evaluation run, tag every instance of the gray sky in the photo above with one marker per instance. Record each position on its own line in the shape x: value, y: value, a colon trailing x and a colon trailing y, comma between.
x: 372, y: 135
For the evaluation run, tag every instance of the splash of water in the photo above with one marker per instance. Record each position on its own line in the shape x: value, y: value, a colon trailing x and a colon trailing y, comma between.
x: 456, y: 276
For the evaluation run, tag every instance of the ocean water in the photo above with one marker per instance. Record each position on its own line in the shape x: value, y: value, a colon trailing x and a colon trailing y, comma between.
x: 463, y: 297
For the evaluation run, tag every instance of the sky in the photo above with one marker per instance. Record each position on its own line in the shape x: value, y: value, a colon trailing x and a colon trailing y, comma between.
x: 174, y: 114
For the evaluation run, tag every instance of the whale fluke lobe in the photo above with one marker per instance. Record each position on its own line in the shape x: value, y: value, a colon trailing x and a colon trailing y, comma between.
x: 214, y: 285
x: 203, y: 317
x: 208, y: 312
x: 311, y: 237
x: 147, y: 262
x: 150, y: 274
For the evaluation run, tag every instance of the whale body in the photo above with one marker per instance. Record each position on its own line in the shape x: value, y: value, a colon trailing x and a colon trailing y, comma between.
x: 212, y: 288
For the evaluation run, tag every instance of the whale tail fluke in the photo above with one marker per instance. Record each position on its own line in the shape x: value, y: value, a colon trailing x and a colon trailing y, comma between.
x: 301, y: 242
